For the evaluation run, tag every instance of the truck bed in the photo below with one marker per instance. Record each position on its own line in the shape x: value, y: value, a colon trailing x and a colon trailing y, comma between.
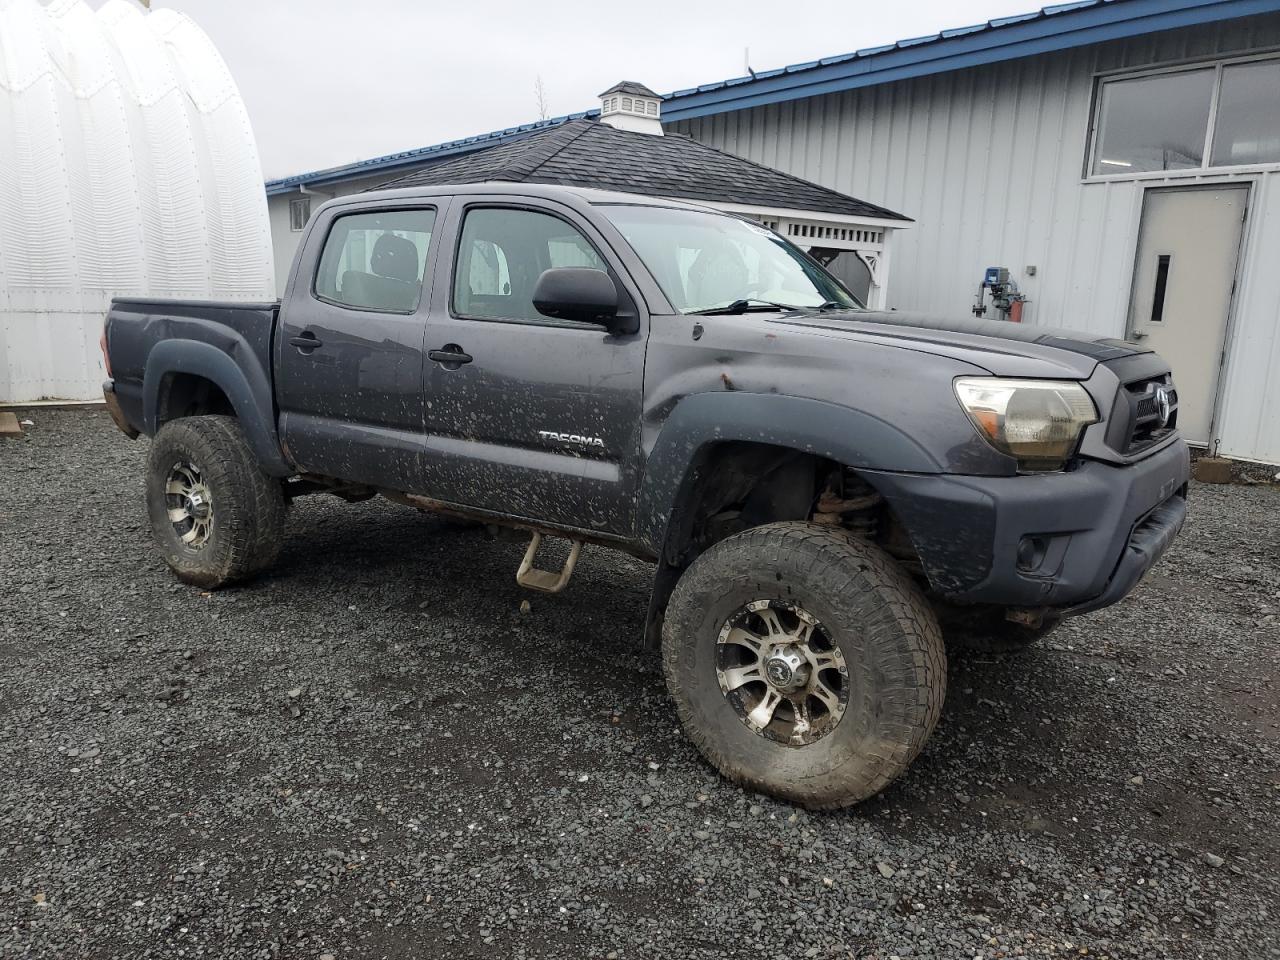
x: 226, y: 342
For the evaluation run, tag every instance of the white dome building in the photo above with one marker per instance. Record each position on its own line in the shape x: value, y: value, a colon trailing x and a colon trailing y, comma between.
x: 127, y: 167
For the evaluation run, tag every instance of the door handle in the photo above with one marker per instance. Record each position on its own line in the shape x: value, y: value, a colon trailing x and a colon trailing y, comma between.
x: 307, y: 341
x: 450, y: 356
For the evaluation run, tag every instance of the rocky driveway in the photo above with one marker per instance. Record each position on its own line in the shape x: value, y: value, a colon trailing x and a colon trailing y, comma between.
x: 373, y: 752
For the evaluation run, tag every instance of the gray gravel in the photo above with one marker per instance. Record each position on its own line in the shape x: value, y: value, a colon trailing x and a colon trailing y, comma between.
x: 373, y: 752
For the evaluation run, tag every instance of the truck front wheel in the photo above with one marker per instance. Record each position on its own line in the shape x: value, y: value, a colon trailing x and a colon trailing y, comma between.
x: 804, y: 663
x: 216, y: 516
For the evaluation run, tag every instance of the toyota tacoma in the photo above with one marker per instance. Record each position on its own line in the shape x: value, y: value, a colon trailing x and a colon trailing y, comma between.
x: 825, y: 491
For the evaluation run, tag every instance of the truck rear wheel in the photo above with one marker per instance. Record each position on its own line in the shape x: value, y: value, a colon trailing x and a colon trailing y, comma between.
x: 804, y: 663
x: 217, y: 517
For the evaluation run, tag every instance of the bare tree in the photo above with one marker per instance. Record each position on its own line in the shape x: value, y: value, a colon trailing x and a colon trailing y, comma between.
x: 540, y: 95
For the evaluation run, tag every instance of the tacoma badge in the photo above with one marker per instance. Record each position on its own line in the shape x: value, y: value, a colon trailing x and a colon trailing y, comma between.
x: 571, y: 438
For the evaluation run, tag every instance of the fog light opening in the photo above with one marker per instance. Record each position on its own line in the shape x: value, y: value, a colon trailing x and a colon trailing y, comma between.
x: 1031, y: 552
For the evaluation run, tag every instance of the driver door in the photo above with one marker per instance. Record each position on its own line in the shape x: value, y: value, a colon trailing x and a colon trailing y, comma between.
x: 528, y: 415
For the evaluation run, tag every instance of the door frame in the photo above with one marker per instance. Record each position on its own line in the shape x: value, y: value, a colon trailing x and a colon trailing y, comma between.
x: 442, y: 315
x: 1247, y: 185
x: 296, y: 307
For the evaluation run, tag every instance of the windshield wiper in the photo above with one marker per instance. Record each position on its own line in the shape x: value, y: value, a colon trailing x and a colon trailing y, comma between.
x: 742, y: 306
x: 833, y: 305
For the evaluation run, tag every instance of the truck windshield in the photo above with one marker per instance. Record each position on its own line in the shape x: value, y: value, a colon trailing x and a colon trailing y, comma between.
x: 708, y: 261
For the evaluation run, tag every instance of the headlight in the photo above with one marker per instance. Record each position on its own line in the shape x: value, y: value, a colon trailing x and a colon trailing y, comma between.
x: 1038, y: 422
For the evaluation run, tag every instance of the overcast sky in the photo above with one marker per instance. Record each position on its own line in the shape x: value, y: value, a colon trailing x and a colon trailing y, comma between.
x: 332, y: 81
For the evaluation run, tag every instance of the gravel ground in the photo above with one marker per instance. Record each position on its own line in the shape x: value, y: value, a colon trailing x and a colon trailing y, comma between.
x: 373, y: 752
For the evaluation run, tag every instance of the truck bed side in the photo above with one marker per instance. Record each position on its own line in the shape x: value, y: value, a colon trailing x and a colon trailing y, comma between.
x: 170, y: 358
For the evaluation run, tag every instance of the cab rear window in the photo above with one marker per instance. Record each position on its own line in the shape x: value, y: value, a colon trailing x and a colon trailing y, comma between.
x: 376, y: 261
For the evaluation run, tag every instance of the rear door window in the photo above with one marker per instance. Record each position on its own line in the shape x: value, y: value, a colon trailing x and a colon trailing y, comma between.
x: 376, y: 261
x: 501, y: 254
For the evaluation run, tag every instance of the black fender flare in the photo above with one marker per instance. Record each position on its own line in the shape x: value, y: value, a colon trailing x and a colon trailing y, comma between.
x: 242, y: 379
x: 856, y: 439
x: 698, y: 422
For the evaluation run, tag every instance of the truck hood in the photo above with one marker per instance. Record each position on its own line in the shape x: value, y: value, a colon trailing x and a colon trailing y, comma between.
x: 1002, y: 348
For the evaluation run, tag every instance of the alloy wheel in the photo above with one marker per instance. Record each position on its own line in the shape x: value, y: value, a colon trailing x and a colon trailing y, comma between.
x: 190, y: 505
x: 782, y: 673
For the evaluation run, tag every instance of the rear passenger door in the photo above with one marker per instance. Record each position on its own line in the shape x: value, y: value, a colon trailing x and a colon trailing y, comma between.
x: 542, y: 417
x: 349, y: 351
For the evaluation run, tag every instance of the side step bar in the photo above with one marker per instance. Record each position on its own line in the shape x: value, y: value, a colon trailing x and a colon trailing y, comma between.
x: 545, y: 580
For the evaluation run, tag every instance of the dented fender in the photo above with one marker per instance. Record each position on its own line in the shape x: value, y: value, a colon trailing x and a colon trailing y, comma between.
x: 857, y: 439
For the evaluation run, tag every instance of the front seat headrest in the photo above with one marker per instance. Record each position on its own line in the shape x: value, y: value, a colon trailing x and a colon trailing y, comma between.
x: 395, y: 257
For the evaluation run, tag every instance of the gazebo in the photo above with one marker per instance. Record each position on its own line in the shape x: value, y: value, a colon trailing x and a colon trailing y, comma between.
x: 626, y: 150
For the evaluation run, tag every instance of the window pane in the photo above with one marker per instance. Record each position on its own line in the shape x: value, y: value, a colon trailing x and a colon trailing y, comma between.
x: 501, y: 256
x: 376, y: 261
x: 1248, y: 126
x: 1153, y: 123
x: 709, y: 260
x: 299, y: 214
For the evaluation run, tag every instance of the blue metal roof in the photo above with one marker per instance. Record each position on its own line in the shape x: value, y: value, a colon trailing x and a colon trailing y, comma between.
x: 1058, y: 27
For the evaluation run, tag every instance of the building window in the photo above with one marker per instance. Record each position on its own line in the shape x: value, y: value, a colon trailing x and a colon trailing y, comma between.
x: 1165, y: 121
x: 651, y: 108
x: 626, y: 103
x: 299, y: 213
x: 1248, y: 123
x: 1154, y: 123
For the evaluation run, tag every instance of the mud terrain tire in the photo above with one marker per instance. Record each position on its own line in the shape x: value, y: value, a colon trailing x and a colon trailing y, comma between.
x: 868, y: 609
x: 202, y: 476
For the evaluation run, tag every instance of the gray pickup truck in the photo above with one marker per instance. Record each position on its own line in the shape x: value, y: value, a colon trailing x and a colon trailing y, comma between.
x: 825, y: 492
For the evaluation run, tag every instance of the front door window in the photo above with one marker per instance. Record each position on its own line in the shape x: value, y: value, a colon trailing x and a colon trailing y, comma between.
x: 502, y: 253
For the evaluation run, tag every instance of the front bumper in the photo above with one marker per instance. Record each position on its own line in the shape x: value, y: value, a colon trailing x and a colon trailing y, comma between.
x: 1147, y: 544
x: 1074, y: 541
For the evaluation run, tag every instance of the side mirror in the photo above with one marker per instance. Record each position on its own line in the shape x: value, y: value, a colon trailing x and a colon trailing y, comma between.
x: 577, y: 293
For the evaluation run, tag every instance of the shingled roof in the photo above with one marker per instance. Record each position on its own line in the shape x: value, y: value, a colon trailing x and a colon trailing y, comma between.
x: 633, y: 89
x: 588, y: 153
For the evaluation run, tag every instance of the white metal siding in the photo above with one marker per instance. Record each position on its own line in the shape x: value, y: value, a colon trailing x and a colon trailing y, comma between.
x: 989, y: 162
x: 127, y: 167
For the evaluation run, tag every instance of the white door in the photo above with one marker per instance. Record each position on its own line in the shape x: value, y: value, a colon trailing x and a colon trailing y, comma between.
x: 1185, y: 273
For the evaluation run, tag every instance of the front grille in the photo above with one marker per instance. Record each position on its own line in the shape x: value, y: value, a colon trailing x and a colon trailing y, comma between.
x: 1137, y: 419
x: 1148, y: 407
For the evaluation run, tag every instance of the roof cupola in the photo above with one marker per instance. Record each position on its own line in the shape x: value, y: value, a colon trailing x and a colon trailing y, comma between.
x: 632, y: 106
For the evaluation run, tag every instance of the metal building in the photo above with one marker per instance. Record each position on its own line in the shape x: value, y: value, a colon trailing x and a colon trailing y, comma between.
x: 127, y: 166
x: 1121, y: 158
